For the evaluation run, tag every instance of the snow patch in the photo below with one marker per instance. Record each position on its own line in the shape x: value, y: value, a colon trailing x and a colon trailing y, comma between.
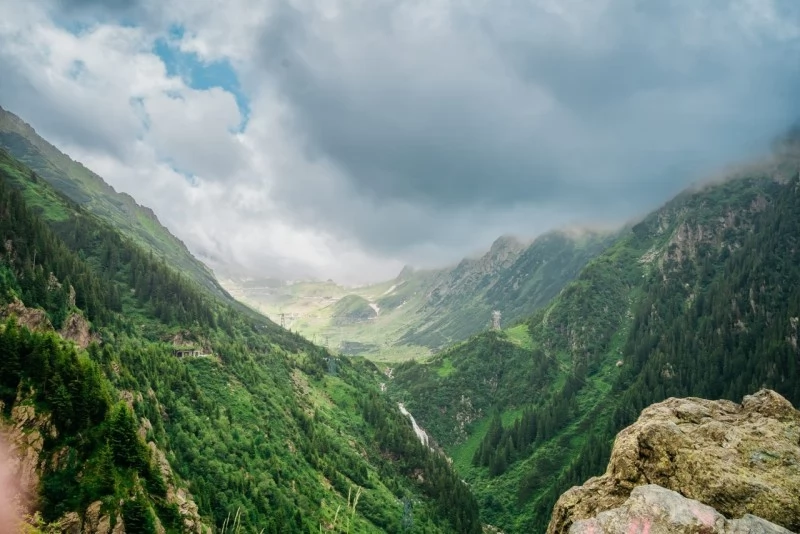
x: 389, y: 290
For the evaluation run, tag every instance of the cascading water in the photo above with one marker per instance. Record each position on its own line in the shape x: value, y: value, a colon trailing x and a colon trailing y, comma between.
x: 421, y: 434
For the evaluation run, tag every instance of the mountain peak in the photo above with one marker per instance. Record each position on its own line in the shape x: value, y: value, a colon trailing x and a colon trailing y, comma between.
x: 505, y: 243
x: 406, y: 272
x: 505, y: 249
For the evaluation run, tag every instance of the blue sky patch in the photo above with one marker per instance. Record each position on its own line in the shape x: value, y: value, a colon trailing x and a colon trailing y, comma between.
x: 199, y: 74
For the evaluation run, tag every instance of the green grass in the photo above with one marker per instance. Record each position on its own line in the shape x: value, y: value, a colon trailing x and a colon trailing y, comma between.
x: 520, y: 335
x: 37, y: 194
x: 462, y: 453
x: 446, y: 368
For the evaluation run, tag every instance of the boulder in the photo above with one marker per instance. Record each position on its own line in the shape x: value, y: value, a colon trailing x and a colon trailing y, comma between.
x: 657, y: 510
x: 736, y: 458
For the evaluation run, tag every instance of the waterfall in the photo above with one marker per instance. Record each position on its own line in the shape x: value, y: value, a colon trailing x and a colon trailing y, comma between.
x: 421, y: 434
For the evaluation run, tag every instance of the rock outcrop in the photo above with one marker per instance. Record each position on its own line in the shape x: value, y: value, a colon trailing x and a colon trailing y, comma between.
x: 91, y: 520
x: 190, y: 515
x: 76, y: 328
x: 24, y: 433
x: 657, y: 510
x: 736, y: 458
x: 70, y: 523
x: 31, y: 318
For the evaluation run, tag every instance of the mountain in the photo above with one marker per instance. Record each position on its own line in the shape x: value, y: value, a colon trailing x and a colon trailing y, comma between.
x: 510, y: 278
x: 93, y: 194
x: 701, y: 298
x: 134, y: 396
x: 352, y: 309
x: 421, y: 311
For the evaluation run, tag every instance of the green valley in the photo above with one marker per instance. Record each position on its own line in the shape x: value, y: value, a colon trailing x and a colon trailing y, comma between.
x: 698, y: 299
x: 421, y: 312
x: 249, y: 427
x: 164, y: 405
x: 302, y: 267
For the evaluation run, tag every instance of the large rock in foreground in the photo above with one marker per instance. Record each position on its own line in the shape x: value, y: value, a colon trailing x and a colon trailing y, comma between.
x: 736, y: 458
x: 657, y: 510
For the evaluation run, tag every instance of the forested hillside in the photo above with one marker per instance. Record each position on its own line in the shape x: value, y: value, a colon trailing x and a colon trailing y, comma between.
x: 264, y: 431
x: 511, y: 279
x: 701, y: 298
x: 90, y: 191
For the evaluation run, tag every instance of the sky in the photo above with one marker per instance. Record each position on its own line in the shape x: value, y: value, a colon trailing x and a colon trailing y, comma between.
x: 346, y: 138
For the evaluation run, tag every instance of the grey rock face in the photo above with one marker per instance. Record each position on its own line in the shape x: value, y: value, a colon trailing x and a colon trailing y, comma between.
x: 652, y: 509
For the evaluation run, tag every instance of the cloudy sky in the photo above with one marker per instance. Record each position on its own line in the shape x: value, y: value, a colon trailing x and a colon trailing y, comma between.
x: 345, y: 138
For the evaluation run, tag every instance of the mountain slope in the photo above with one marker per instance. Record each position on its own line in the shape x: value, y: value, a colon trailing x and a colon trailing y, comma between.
x: 511, y: 279
x: 261, y: 428
x: 352, y: 309
x: 92, y: 193
x: 699, y: 299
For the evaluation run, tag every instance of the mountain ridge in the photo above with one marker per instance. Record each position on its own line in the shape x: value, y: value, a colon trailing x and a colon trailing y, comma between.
x: 90, y: 190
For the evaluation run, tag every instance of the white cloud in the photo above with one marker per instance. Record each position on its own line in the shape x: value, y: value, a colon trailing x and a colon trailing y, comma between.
x: 106, y: 99
x: 381, y: 132
x: 195, y: 130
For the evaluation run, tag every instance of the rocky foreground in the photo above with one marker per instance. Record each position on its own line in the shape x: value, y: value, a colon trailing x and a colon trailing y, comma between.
x: 695, y: 466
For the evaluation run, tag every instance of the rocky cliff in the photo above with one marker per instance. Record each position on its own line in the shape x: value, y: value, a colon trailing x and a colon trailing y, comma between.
x: 734, y: 459
x: 25, y: 458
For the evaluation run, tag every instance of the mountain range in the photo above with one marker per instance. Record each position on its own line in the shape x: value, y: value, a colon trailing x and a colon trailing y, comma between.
x: 136, y: 391
x: 91, y: 192
x: 422, y: 311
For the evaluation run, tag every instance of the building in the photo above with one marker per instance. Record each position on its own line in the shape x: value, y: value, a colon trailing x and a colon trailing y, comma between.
x: 186, y: 351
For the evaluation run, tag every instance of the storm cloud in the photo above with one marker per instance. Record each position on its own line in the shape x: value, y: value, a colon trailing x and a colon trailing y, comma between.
x: 389, y: 132
x: 452, y: 104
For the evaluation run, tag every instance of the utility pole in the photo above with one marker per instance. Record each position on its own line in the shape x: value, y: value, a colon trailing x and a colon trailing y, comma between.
x: 332, y: 365
x: 496, y: 320
x: 408, y: 517
x: 283, y: 320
